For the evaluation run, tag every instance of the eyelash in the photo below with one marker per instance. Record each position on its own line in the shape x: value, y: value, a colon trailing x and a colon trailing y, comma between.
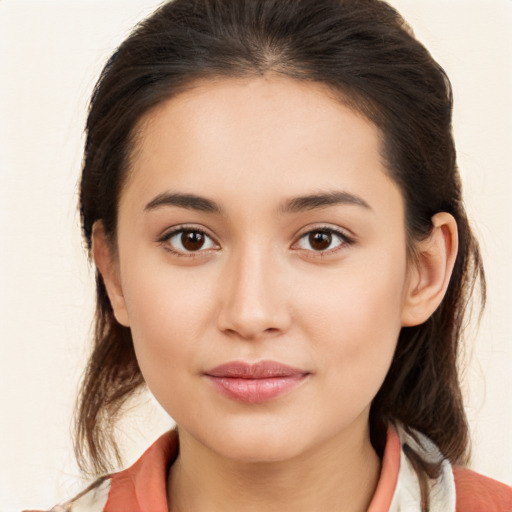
x: 343, y: 238
x: 165, y: 239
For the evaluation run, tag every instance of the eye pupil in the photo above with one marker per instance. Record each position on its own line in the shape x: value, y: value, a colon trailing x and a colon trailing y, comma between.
x: 320, y: 240
x: 192, y: 240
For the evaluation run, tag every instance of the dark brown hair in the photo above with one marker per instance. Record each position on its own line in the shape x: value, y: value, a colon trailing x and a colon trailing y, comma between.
x: 363, y: 50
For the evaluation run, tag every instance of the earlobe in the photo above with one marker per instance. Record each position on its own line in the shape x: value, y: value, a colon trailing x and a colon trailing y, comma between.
x: 431, y: 270
x: 108, y: 266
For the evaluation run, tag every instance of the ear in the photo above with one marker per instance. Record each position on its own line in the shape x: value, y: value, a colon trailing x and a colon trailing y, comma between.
x: 107, y: 264
x: 430, y: 272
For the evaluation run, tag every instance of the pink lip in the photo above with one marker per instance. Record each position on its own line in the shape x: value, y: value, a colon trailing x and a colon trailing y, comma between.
x: 254, y: 383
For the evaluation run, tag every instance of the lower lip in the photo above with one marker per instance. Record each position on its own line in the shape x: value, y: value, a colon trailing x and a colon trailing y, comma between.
x: 255, y: 391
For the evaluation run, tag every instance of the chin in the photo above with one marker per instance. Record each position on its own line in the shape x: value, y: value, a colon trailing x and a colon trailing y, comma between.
x: 262, y: 444
x: 258, y: 451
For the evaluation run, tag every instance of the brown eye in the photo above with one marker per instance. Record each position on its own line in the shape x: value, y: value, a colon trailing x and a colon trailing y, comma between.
x: 192, y: 240
x: 185, y: 241
x: 319, y: 240
x: 322, y: 240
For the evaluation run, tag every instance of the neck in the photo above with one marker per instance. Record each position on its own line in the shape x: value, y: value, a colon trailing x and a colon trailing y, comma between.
x: 339, y: 475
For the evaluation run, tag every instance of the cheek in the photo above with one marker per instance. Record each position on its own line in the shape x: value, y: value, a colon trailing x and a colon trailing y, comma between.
x: 355, y: 321
x: 169, y: 312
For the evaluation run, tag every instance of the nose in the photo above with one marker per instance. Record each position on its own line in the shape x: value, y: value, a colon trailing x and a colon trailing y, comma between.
x: 253, y: 303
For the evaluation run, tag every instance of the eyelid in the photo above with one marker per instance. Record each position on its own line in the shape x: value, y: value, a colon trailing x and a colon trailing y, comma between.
x: 344, y: 234
x: 174, y: 230
x: 347, y: 237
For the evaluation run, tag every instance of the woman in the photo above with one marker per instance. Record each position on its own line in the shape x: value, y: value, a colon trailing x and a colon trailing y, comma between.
x: 271, y: 198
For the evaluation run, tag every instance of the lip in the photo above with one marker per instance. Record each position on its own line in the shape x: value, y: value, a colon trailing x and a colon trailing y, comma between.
x: 256, y: 382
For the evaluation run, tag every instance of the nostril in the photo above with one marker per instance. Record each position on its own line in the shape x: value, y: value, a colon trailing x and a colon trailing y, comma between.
x: 251, y: 333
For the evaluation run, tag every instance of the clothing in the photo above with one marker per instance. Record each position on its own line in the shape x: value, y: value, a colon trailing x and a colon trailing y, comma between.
x: 142, y: 487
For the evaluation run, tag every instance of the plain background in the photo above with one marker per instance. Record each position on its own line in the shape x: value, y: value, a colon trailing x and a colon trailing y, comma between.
x: 50, y: 54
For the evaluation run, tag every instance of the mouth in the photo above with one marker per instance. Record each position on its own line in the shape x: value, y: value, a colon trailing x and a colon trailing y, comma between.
x: 255, y: 383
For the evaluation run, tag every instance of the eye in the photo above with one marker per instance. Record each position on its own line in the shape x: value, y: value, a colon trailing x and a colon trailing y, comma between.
x: 184, y: 241
x: 322, y: 240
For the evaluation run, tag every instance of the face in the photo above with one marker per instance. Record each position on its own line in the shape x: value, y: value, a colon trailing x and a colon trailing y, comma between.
x: 262, y: 265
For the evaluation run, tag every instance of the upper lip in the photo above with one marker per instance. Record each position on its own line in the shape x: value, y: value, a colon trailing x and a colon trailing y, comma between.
x: 259, y: 370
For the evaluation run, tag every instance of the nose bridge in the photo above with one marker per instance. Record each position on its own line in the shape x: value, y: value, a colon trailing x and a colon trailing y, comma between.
x: 253, y: 302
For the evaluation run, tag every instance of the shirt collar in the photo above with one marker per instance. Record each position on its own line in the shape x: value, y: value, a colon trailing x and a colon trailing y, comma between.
x: 142, y: 487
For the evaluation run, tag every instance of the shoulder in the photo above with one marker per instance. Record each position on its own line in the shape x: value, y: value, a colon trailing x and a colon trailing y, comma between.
x: 456, y: 489
x: 92, y: 499
x: 478, y: 493
x: 142, y: 486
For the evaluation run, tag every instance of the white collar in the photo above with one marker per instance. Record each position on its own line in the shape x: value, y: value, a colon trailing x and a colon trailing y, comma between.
x: 407, y: 495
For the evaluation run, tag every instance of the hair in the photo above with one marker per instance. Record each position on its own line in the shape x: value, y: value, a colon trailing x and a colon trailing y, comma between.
x: 364, y: 51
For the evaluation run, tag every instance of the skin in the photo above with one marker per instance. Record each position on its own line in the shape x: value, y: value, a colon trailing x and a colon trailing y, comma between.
x: 258, y: 289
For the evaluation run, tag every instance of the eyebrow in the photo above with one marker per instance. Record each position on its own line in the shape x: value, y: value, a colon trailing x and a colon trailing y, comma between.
x: 294, y: 205
x: 323, y: 200
x: 188, y: 201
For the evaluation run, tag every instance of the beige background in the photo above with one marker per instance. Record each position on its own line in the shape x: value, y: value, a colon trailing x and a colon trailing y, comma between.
x: 50, y: 54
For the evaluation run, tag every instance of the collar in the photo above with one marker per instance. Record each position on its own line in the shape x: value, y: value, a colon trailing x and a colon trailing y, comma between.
x: 406, y: 494
x: 142, y: 487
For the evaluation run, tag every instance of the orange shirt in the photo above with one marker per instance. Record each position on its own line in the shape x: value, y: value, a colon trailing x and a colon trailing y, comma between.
x: 142, y: 487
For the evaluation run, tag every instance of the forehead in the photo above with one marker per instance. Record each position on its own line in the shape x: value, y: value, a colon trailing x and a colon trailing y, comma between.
x: 268, y: 101
x: 271, y: 134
